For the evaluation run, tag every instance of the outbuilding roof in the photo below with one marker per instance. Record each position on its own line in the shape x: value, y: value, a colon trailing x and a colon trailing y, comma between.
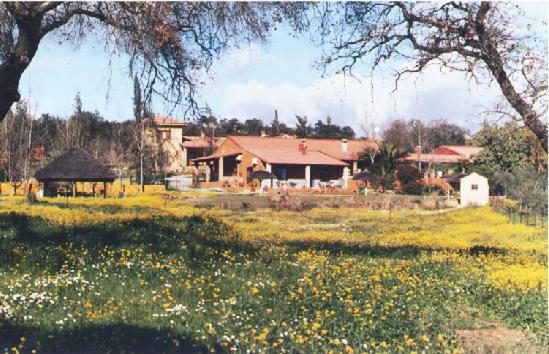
x: 75, y: 165
x: 446, y: 154
x: 434, y: 158
x: 167, y: 121
x: 200, y: 142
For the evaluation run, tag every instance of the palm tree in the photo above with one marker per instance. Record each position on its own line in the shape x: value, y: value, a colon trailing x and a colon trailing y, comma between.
x: 385, y: 162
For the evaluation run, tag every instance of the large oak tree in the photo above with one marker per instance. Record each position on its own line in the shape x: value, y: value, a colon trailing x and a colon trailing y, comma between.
x: 168, y: 43
x: 486, y: 40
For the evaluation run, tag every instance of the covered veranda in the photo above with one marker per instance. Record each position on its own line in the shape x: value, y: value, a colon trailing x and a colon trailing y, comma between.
x: 221, y: 167
x: 308, y: 176
x: 309, y: 171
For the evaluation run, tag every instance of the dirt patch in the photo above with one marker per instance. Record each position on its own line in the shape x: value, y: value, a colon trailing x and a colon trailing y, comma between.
x: 495, y: 340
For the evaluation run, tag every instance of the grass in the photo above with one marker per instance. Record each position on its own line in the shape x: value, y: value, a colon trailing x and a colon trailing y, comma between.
x: 144, y: 275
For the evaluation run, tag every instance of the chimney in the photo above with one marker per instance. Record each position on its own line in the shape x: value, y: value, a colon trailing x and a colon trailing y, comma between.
x: 303, y: 146
x: 344, y: 145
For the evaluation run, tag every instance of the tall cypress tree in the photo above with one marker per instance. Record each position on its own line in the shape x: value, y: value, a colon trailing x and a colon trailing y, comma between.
x: 275, y: 125
x: 137, y: 100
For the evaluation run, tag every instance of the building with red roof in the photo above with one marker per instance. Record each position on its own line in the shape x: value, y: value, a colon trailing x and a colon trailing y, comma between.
x: 166, y: 135
x: 466, y: 152
x: 172, y: 149
x: 198, y: 146
x: 444, y: 154
x: 165, y: 122
x: 305, y: 163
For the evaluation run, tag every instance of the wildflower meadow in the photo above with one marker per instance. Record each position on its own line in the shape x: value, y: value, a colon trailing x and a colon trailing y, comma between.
x: 149, y: 274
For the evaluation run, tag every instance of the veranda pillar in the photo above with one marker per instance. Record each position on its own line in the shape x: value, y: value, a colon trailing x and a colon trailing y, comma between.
x: 220, y: 169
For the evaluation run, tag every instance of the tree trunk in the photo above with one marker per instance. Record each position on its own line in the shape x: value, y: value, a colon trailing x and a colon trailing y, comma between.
x: 495, y: 64
x: 121, y: 185
x: 12, y: 69
x: 9, y: 84
x: 141, y: 175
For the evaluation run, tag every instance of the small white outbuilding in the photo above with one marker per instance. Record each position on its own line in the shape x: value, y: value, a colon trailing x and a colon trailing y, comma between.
x: 473, y: 190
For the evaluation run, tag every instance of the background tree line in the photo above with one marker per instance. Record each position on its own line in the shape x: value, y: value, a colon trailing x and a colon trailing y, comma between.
x: 28, y: 142
x: 407, y: 134
x: 255, y: 126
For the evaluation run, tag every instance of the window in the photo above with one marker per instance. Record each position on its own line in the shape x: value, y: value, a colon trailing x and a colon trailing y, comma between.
x: 474, y: 187
x: 166, y: 134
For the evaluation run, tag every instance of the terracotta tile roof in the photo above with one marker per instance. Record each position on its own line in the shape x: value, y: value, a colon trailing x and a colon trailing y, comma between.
x: 446, y: 154
x: 333, y: 147
x: 200, y: 142
x: 287, y: 157
x: 167, y: 121
x: 466, y: 151
x: 285, y: 150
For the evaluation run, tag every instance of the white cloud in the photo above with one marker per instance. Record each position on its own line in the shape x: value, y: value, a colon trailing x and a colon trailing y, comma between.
x: 350, y: 100
x: 241, y: 59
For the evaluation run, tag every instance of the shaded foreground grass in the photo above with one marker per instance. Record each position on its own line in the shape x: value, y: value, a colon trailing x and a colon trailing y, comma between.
x: 203, y: 282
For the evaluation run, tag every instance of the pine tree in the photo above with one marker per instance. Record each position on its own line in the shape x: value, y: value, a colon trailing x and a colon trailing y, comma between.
x: 302, y: 129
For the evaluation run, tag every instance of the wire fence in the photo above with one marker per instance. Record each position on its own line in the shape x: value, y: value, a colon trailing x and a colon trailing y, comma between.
x: 537, y: 218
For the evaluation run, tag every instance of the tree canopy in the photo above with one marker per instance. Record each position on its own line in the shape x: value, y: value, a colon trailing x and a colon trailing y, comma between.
x: 526, y: 185
x: 407, y: 134
x: 507, y: 147
x: 489, y: 41
x: 168, y: 43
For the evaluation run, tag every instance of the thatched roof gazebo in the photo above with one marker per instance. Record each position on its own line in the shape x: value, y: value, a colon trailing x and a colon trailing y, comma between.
x: 75, y: 165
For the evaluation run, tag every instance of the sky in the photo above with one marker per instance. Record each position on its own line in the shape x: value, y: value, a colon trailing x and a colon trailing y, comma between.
x: 253, y: 81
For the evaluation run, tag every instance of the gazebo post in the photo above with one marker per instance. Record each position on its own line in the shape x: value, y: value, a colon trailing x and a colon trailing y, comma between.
x: 104, y: 189
x: 74, y: 189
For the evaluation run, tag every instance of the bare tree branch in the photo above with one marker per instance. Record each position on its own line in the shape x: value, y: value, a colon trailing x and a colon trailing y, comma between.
x: 475, y: 38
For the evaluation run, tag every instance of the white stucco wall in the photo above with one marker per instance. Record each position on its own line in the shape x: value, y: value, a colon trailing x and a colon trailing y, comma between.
x: 469, y: 195
x: 176, y: 135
